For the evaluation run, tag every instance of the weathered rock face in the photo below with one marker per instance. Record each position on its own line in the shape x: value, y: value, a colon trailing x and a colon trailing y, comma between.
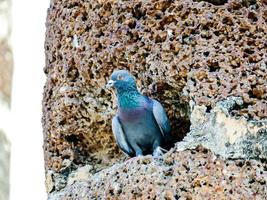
x: 191, y: 174
x: 178, y: 51
x: 228, y: 136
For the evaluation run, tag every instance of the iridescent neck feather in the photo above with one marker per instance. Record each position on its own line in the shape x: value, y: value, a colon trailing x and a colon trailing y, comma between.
x: 130, y: 98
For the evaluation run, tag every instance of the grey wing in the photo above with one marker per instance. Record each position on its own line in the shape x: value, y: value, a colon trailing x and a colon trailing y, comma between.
x: 162, y: 119
x: 120, y: 136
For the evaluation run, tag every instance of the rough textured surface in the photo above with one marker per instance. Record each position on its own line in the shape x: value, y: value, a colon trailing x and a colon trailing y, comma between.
x: 195, y: 174
x: 179, y: 49
x: 226, y: 135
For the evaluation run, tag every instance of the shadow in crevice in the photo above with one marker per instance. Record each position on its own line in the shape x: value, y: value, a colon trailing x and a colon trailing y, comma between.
x: 215, y: 2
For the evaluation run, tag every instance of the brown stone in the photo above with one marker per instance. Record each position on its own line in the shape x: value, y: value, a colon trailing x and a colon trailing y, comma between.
x: 178, y: 50
x: 193, y: 174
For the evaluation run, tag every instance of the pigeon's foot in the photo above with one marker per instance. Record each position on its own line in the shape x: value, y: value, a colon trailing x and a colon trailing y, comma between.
x: 163, y: 150
x: 159, y: 152
x: 139, y: 154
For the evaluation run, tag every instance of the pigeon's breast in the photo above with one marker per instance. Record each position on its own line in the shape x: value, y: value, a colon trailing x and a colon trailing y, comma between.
x: 131, y: 115
x: 135, y: 113
x: 140, y: 128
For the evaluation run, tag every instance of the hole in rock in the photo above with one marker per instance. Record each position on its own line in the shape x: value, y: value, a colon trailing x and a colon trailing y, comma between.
x: 248, y: 3
x: 214, y: 2
x: 209, y: 108
x: 252, y: 16
x: 137, y: 11
x: 213, y: 66
x: 206, y: 53
x: 72, y: 139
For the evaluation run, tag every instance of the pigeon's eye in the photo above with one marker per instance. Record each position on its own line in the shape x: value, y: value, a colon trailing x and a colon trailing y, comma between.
x: 120, y: 77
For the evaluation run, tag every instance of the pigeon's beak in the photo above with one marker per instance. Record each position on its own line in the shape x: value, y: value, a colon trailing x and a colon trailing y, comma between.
x: 110, y: 84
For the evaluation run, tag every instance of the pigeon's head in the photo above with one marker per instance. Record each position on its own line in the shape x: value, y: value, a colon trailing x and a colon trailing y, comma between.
x: 122, y: 80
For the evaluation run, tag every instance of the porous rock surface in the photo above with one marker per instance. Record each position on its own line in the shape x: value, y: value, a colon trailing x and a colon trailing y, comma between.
x: 178, y: 50
x: 190, y: 174
x: 226, y: 135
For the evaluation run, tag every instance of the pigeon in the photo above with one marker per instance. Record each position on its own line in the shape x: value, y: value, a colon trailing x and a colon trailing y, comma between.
x: 141, y: 126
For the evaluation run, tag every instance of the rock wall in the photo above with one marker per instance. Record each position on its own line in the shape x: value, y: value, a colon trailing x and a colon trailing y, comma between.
x: 194, y: 174
x: 178, y: 50
x: 228, y: 136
